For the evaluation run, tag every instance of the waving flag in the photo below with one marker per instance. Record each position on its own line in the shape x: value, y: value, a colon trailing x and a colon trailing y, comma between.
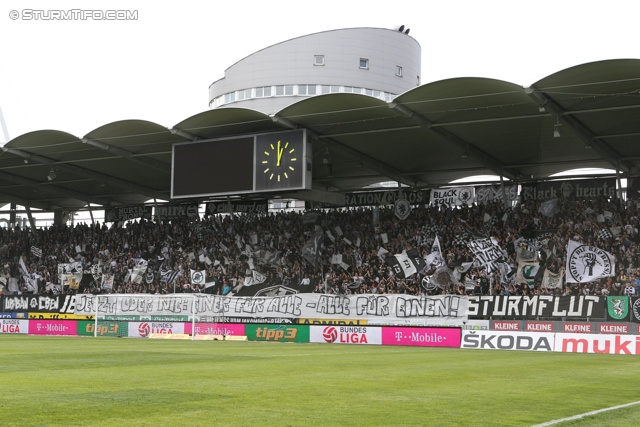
x: 406, y: 263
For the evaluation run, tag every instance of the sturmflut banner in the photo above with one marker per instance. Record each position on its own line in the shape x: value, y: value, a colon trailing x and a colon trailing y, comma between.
x: 545, y: 306
x: 377, y: 309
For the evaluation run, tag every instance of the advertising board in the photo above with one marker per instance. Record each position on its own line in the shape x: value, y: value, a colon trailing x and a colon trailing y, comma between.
x: 345, y: 334
x: 144, y: 329
x: 424, y: 337
x: 497, y: 340
x: 52, y: 327
x: 232, y: 329
x: 281, y: 333
x: 14, y: 326
x: 595, y: 343
x: 105, y: 328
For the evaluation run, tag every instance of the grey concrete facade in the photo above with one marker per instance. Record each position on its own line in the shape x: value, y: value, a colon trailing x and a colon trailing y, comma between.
x: 372, y: 61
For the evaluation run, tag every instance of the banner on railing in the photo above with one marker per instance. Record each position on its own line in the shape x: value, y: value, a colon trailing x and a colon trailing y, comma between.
x: 492, y: 193
x: 385, y: 198
x: 575, y: 189
x: 178, y: 211
x: 546, y: 306
x: 455, y: 196
x: 37, y: 304
x: 381, y: 308
x: 127, y: 213
x: 238, y: 206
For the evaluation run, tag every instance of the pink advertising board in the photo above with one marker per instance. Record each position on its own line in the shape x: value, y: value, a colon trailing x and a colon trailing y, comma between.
x: 52, y: 327
x: 425, y: 337
x: 235, y: 329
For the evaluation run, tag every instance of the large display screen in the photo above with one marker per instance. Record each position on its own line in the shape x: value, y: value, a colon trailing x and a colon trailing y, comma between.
x: 258, y: 163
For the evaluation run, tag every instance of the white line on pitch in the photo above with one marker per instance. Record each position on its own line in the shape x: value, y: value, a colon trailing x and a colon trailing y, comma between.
x: 577, y: 417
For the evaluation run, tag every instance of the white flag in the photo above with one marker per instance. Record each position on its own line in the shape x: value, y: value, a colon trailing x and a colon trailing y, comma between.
x: 551, y: 280
x: 549, y: 207
x: 586, y: 263
x: 198, y: 277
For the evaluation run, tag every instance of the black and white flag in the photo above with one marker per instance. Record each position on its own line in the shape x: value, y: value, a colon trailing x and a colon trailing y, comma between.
x: 435, y: 257
x: 406, y: 263
x: 605, y: 234
x: 37, y: 252
x: 487, y: 253
x: 168, y: 275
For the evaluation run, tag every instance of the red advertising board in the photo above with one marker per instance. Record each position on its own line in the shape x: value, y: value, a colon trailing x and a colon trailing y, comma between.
x: 539, y: 326
x: 577, y: 328
x: 506, y: 326
x: 614, y: 328
x: 595, y: 343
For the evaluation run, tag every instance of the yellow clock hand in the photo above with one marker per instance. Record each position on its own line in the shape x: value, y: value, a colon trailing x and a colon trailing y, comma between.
x: 280, y: 151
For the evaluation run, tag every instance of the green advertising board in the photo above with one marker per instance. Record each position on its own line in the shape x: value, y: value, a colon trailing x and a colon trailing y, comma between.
x: 105, y: 328
x: 281, y: 333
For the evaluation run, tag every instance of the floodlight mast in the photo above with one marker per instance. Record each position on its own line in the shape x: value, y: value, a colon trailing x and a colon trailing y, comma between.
x: 4, y: 126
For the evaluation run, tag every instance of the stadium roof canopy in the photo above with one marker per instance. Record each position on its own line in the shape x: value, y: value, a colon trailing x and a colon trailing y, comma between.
x: 426, y: 138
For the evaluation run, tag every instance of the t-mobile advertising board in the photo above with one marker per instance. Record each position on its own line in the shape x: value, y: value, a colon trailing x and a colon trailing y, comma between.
x: 425, y: 337
x: 52, y: 327
x: 144, y: 329
x: 14, y: 326
x: 345, y: 334
x: 235, y: 329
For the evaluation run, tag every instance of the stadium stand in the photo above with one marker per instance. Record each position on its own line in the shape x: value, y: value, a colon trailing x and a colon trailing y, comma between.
x: 335, y: 251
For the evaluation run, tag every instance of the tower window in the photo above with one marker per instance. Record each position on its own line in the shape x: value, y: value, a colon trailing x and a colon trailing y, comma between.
x: 364, y: 63
x: 398, y: 71
x: 318, y: 60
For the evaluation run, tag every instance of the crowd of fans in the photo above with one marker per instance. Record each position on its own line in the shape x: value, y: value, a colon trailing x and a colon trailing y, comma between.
x: 240, y: 250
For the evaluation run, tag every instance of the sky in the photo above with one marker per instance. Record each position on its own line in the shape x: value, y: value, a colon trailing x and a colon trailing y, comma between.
x: 77, y: 75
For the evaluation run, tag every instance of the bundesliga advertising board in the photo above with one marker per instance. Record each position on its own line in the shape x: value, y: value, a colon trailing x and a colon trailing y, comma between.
x: 14, y: 326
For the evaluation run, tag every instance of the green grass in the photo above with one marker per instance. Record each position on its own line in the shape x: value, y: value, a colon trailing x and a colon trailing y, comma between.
x: 143, y: 382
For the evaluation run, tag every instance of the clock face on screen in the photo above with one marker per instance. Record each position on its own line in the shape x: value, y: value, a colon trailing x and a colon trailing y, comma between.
x: 279, y: 161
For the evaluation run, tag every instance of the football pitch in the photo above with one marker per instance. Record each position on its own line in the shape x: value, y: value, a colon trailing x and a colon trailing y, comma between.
x: 143, y: 382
